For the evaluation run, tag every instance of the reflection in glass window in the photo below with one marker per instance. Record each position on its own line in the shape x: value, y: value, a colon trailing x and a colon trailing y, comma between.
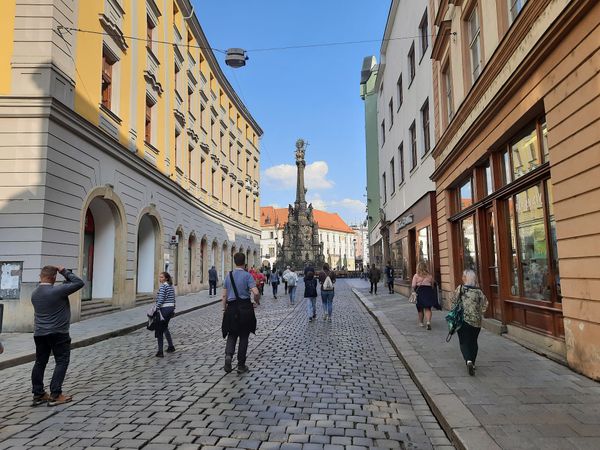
x: 465, y: 194
x: 553, y: 242
x: 469, y: 250
x: 423, y: 243
x: 506, y: 170
x: 545, y: 151
x: 488, y: 187
x: 525, y: 156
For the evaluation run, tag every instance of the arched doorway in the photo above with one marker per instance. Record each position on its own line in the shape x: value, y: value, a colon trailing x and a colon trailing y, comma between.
x: 191, y: 257
x: 148, y: 232
x: 203, y: 257
x: 178, y: 257
x: 233, y: 252
x: 223, y: 260
x: 100, y: 235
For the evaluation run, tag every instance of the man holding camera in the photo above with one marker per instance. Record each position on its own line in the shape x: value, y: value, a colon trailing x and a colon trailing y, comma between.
x: 52, y: 313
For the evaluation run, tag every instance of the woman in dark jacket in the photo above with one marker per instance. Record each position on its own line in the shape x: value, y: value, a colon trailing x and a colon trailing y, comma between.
x: 310, y: 294
x: 274, y: 281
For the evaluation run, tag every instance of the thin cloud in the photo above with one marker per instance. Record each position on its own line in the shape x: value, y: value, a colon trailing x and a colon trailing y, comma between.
x: 283, y: 176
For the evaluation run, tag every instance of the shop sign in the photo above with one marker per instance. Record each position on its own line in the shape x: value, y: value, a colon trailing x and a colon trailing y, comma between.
x: 404, y: 221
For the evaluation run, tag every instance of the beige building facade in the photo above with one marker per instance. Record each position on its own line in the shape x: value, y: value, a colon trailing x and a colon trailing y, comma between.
x: 517, y: 92
x: 120, y: 157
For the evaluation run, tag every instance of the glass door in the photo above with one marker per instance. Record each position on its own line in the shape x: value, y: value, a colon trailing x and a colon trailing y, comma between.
x: 491, y: 262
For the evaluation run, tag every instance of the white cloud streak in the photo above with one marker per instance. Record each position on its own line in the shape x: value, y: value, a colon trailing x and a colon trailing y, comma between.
x: 283, y: 176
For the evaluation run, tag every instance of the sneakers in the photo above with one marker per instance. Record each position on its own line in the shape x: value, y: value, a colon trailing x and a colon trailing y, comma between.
x: 170, y: 349
x: 59, y: 400
x: 324, y: 316
x: 471, y: 368
x: 242, y: 368
x: 227, y: 367
x: 314, y: 316
x: 311, y: 318
x: 428, y: 326
x: 421, y: 324
x: 160, y: 355
x: 39, y: 399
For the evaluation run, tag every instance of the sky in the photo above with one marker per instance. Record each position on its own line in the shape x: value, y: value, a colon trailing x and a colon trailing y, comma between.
x: 309, y: 93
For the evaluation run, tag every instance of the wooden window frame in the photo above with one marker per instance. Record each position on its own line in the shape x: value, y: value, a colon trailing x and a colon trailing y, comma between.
x: 412, y: 64
x: 107, y: 78
x: 424, y: 34
x: 426, y: 125
x: 148, y: 121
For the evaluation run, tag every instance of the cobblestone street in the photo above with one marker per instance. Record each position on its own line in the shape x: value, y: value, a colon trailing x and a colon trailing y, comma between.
x: 321, y: 385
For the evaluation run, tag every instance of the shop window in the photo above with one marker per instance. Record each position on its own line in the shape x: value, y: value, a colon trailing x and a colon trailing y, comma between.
x: 400, y: 259
x: 534, y: 268
x: 465, y: 194
x: 524, y: 154
x: 506, y: 170
x: 468, y: 249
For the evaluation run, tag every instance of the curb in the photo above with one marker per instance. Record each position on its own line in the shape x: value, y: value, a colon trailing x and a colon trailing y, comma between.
x: 91, y: 340
x: 460, y: 425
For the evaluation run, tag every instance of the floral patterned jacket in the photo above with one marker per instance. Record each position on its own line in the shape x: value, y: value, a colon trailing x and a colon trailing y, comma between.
x: 474, y: 303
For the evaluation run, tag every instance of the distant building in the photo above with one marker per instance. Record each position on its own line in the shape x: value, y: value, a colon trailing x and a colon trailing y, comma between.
x: 406, y: 140
x: 361, y: 245
x: 335, y: 235
x: 368, y: 93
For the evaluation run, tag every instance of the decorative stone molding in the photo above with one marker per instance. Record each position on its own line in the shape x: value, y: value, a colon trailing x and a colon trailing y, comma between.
x: 153, y: 82
x: 113, y: 31
x: 232, y: 176
x: 179, y: 116
x: 193, y: 136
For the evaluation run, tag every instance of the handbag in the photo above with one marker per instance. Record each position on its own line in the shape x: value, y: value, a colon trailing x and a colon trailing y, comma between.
x: 456, y: 317
x: 413, y: 295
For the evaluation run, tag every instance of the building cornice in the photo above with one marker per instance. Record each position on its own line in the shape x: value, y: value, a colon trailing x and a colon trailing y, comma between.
x: 537, y: 54
x: 49, y: 108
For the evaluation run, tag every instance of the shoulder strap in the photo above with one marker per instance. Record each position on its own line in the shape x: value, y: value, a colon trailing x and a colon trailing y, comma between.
x: 235, y: 291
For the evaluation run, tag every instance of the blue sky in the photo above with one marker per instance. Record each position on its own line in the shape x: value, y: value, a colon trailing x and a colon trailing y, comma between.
x: 310, y: 93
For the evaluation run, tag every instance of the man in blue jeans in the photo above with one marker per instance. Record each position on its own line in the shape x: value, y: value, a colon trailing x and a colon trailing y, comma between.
x: 52, y: 318
x: 327, y: 280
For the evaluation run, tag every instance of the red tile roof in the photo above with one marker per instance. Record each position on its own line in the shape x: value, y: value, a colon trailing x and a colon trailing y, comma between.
x: 270, y: 217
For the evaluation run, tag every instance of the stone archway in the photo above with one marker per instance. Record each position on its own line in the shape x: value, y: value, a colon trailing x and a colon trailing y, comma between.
x: 177, y: 262
x: 148, y: 254
x: 203, y: 260
x: 102, y: 262
x: 191, y: 259
x: 224, y: 258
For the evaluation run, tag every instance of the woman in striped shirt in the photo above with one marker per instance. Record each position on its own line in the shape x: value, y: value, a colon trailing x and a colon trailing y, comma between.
x: 165, y: 302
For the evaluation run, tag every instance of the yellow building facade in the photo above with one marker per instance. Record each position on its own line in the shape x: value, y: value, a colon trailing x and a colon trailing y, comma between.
x: 126, y: 152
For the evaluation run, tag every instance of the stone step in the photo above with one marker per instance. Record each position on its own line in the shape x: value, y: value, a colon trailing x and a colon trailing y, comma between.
x: 143, y: 299
x: 92, y: 308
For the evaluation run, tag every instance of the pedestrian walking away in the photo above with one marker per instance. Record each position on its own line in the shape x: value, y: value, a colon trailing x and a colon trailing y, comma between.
x: 309, y: 268
x: 327, y: 281
x: 374, y: 277
x: 284, y: 278
x: 389, y: 277
x: 165, y: 304
x: 310, y: 294
x: 423, y: 286
x: 52, y: 318
x: 365, y: 274
x: 474, y: 304
x: 274, y: 281
x: 213, y: 278
x: 259, y: 279
x: 239, y: 319
x: 291, y: 279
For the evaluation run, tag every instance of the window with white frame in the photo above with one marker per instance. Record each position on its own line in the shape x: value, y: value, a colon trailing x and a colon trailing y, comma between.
x: 447, y: 92
x: 474, y: 30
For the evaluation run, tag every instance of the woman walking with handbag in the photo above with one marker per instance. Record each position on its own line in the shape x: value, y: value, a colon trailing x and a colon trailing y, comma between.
x: 474, y: 303
x: 274, y: 281
x: 165, y: 304
x: 422, y: 285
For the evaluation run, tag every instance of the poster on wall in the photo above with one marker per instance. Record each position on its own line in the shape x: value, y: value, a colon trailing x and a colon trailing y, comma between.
x: 10, y: 279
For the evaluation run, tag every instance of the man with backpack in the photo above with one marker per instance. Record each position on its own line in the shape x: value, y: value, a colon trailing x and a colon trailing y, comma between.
x: 291, y: 281
x: 327, y: 281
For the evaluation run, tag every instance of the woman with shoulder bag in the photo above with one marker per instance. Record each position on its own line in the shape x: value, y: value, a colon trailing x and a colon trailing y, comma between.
x: 474, y: 303
x: 423, y: 287
x: 165, y: 304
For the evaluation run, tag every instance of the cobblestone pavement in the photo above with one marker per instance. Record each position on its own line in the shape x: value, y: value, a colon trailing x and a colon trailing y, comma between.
x: 522, y: 399
x: 320, y: 385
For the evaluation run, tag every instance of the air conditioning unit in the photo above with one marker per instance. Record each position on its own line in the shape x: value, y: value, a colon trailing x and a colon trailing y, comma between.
x: 174, y: 239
